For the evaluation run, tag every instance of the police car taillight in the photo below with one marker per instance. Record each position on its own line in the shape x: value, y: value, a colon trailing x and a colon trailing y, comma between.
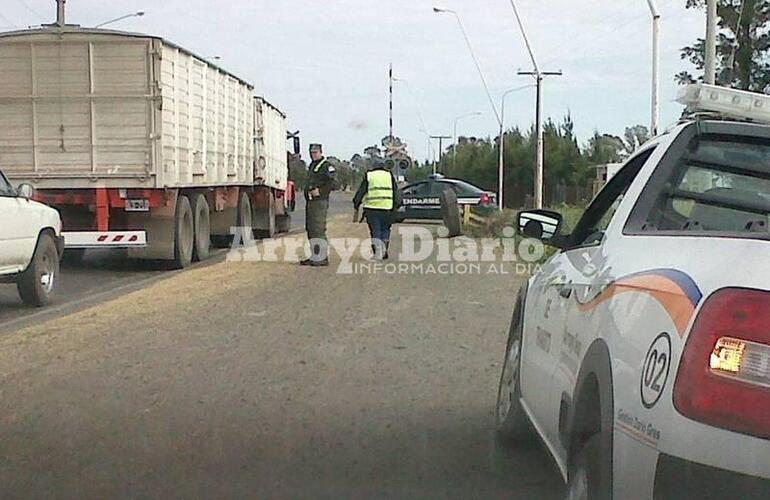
x: 724, y: 374
x: 484, y: 199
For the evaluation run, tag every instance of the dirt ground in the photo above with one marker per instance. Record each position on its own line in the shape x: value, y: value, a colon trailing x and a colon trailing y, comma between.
x: 269, y: 380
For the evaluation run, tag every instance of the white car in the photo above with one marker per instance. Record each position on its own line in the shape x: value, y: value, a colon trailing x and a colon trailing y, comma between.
x: 640, y: 354
x: 31, y: 244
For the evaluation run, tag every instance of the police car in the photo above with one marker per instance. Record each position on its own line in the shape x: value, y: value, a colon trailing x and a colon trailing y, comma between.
x: 640, y: 353
x: 421, y: 200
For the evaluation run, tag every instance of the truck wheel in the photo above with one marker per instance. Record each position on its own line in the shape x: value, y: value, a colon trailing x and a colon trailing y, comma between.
x: 202, y: 222
x: 512, y: 424
x: 450, y: 213
x: 37, y: 284
x: 184, y: 233
x: 283, y: 223
x: 266, y: 221
x: 245, y: 220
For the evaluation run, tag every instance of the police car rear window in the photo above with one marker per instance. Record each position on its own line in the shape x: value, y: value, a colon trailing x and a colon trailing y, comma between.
x: 721, y: 185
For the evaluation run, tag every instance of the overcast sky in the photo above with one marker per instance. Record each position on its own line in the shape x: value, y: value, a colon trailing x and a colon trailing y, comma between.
x: 325, y: 62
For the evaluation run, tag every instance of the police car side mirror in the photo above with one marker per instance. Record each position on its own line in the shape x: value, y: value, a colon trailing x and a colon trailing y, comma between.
x: 25, y: 191
x: 542, y: 225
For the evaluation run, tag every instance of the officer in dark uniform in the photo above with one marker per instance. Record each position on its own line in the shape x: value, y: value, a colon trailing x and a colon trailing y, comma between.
x: 319, y: 185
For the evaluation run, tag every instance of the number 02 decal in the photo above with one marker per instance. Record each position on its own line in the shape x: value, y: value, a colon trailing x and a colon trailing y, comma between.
x: 655, y: 370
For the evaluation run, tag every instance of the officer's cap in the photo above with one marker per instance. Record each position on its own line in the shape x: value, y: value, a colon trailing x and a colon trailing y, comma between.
x: 316, y: 148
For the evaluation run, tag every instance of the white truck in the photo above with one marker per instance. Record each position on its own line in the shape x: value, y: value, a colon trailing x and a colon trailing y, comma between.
x: 139, y: 143
x: 31, y: 244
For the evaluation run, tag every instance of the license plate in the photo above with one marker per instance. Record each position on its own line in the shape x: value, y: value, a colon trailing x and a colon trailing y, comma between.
x: 137, y: 205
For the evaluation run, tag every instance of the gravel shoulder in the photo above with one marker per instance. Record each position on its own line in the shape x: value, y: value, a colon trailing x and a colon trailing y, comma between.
x: 269, y: 380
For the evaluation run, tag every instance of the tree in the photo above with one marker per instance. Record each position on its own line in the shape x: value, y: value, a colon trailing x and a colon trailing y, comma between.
x: 634, y: 137
x: 298, y: 171
x: 743, y: 45
x: 604, y: 148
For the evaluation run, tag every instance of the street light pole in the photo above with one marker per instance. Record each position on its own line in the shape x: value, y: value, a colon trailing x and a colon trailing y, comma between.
x: 473, y: 55
x: 61, y: 13
x: 135, y: 14
x: 539, y: 76
x: 454, y: 137
x: 501, y: 159
x: 655, y: 67
x: 710, y: 66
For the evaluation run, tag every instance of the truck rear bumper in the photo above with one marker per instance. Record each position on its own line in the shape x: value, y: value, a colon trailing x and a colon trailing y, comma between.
x: 105, y: 239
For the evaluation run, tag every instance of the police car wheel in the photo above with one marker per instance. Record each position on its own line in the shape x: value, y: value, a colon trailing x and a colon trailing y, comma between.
x: 512, y: 424
x: 585, y: 477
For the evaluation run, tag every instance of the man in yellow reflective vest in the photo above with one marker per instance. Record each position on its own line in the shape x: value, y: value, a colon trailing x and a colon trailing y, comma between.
x: 380, y: 197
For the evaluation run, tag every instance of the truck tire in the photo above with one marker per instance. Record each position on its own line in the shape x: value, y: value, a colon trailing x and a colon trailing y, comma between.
x: 245, y: 221
x: 450, y: 212
x: 184, y: 233
x: 37, y: 283
x: 202, y: 222
x: 283, y: 223
x: 266, y: 223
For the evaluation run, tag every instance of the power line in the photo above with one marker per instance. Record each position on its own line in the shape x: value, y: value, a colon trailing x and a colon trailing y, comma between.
x: 4, y: 18
x: 589, y: 38
x: 30, y: 9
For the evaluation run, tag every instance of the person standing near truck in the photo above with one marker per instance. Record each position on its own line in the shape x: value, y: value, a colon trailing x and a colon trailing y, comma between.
x: 380, y: 197
x: 319, y: 186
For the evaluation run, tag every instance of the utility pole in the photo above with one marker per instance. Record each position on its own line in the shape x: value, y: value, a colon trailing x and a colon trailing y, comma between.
x: 711, y: 43
x: 440, y: 147
x: 390, y: 134
x: 540, y: 154
x: 655, y: 67
x: 539, y: 76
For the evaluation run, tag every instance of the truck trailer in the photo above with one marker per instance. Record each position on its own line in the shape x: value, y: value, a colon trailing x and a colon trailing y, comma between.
x: 139, y: 143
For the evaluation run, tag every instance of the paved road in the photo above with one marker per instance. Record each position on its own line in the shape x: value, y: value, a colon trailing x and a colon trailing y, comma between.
x: 106, y: 274
x: 268, y: 380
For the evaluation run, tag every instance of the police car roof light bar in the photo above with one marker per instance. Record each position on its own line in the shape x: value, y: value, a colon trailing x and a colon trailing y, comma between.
x: 727, y: 102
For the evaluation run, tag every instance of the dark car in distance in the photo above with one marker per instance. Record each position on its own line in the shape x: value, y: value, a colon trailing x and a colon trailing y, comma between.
x: 421, y: 200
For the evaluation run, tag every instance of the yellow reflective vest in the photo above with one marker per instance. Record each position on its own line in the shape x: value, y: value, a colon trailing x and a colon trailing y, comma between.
x: 380, y: 193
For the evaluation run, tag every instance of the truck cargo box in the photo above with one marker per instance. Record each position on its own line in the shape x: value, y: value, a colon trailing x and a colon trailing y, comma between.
x: 270, y: 145
x: 85, y: 108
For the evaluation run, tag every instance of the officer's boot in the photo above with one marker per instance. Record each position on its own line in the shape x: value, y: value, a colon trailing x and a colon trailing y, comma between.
x: 315, y: 250
x: 387, y: 246
x: 316, y: 259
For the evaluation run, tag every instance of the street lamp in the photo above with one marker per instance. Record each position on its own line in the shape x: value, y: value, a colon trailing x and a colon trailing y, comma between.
x: 473, y: 55
x: 655, y: 67
x: 539, y: 76
x: 454, y: 137
x: 424, y: 128
x: 501, y: 162
x: 126, y: 16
